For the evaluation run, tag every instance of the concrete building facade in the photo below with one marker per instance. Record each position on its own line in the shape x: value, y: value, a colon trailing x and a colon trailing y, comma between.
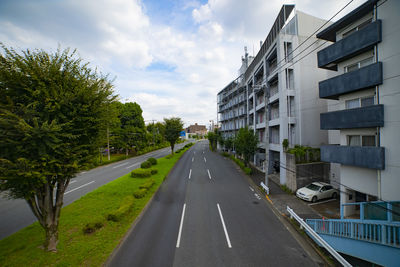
x: 362, y: 121
x: 277, y: 95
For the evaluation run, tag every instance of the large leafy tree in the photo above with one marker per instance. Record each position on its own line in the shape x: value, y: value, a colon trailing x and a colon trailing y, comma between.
x: 51, y: 114
x: 246, y: 143
x: 132, y: 132
x: 173, y: 127
x: 156, y: 132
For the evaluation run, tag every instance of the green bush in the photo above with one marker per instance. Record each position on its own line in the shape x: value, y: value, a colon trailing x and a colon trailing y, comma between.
x: 247, y: 170
x: 153, y: 161
x: 145, y: 165
x: 140, y: 193
x: 126, y: 206
x: 169, y: 156
x: 141, y: 173
x: 92, y: 227
x: 148, y: 184
x: 225, y: 154
x: 153, y: 171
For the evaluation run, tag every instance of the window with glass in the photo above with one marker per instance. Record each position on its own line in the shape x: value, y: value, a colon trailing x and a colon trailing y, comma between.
x: 354, y: 140
x: 361, y: 140
x: 360, y: 64
x: 368, y: 140
x: 360, y: 102
x: 359, y: 27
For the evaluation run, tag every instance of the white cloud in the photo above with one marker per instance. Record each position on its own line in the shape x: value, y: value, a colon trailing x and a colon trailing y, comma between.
x: 122, y: 38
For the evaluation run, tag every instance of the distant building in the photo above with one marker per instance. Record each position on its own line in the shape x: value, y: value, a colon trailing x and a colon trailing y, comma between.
x: 196, y: 129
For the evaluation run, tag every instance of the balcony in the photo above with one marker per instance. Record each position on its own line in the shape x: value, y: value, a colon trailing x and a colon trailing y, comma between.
x: 350, y: 46
x: 365, y: 77
x: 251, y: 111
x: 260, y: 106
x: 367, y: 157
x: 364, y: 117
x: 260, y: 125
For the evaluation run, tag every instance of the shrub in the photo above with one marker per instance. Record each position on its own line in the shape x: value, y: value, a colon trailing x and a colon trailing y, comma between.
x: 92, y: 227
x: 247, y: 170
x: 169, y: 156
x: 140, y: 193
x: 153, y: 161
x: 148, y: 184
x: 145, y: 165
x: 125, y: 207
x: 225, y: 154
x: 141, y: 173
x: 153, y: 171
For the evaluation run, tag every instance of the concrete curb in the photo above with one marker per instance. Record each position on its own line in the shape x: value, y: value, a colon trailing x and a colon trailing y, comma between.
x: 139, y: 217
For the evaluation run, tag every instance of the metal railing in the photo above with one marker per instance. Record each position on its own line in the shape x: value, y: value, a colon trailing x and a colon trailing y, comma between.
x: 320, y: 240
x: 383, y: 233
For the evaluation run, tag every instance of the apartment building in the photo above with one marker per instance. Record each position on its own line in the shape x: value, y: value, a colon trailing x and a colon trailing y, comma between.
x: 282, y: 89
x: 364, y: 96
x: 232, y: 103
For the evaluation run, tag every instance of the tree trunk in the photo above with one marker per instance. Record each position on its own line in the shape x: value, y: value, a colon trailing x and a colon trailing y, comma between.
x: 172, y: 148
x: 108, y: 143
x: 51, y: 237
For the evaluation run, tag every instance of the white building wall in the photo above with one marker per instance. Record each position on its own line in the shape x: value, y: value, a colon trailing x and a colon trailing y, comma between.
x: 389, y: 95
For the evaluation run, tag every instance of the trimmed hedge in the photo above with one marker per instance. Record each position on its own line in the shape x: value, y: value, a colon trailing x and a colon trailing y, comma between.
x: 125, y: 207
x: 140, y: 193
x: 153, y: 161
x: 153, y: 171
x: 145, y: 165
x: 148, y: 184
x: 141, y: 173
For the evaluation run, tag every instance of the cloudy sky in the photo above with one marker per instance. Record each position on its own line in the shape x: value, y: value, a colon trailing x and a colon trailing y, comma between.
x: 170, y: 56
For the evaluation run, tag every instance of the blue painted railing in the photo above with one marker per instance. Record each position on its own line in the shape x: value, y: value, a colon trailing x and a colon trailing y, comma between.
x: 383, y: 233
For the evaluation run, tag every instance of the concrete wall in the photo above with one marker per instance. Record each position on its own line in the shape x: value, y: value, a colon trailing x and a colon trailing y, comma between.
x: 389, y: 96
x: 300, y: 175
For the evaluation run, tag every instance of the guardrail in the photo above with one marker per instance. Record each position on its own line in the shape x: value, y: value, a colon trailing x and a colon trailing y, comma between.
x: 321, y: 241
x: 266, y: 188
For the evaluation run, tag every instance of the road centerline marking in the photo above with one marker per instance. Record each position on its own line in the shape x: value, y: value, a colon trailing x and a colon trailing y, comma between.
x: 192, y: 159
x: 178, y: 241
x: 209, y: 175
x: 190, y: 173
x: 205, y: 159
x: 120, y: 165
x: 223, y: 225
x: 132, y: 165
x: 72, y: 190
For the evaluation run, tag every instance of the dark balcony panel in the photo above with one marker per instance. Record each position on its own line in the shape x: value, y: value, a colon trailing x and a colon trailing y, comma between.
x: 365, y: 77
x: 361, y: 156
x: 364, y: 117
x: 354, y: 44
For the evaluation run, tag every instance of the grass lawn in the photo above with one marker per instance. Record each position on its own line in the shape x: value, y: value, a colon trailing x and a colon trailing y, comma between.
x: 76, y: 248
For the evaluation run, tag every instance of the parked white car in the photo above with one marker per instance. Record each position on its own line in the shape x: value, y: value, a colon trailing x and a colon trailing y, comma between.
x: 316, y: 191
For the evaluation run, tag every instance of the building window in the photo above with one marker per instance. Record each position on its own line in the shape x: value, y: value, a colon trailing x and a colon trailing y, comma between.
x: 289, y: 79
x: 361, y: 140
x: 358, y: 65
x: 360, y: 102
x: 359, y: 27
x: 288, y: 51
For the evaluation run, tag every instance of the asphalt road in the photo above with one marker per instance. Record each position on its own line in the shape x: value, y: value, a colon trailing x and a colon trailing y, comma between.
x: 207, y: 214
x: 15, y: 213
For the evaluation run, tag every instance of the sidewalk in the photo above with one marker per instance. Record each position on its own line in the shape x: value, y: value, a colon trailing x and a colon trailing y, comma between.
x: 280, y: 199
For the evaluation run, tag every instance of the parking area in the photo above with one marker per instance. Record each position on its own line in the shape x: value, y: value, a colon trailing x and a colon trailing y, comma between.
x: 328, y: 208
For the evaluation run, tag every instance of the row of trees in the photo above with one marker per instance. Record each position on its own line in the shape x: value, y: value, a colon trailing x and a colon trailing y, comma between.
x: 55, y: 113
x: 244, y: 143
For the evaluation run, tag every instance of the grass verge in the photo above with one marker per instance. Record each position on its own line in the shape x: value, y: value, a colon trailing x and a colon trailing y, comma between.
x: 76, y: 248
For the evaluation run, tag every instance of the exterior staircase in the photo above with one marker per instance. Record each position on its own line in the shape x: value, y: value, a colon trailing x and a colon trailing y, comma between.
x: 374, y: 237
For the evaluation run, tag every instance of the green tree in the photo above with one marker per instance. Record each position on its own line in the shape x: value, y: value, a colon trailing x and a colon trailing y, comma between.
x: 214, y: 138
x: 173, y: 127
x: 246, y: 144
x: 157, y: 132
x: 131, y: 132
x: 228, y: 142
x: 51, y: 113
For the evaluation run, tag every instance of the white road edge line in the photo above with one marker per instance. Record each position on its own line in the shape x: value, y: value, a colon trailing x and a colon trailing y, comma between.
x: 209, y: 175
x: 326, y: 201
x: 178, y: 242
x: 251, y: 188
x: 121, y: 165
x: 223, y: 225
x: 190, y: 173
x: 205, y: 159
x: 72, y: 190
x: 73, y: 181
x: 192, y: 159
x: 132, y: 165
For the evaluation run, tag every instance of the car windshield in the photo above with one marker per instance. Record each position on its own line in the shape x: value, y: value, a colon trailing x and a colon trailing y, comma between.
x: 313, y: 187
